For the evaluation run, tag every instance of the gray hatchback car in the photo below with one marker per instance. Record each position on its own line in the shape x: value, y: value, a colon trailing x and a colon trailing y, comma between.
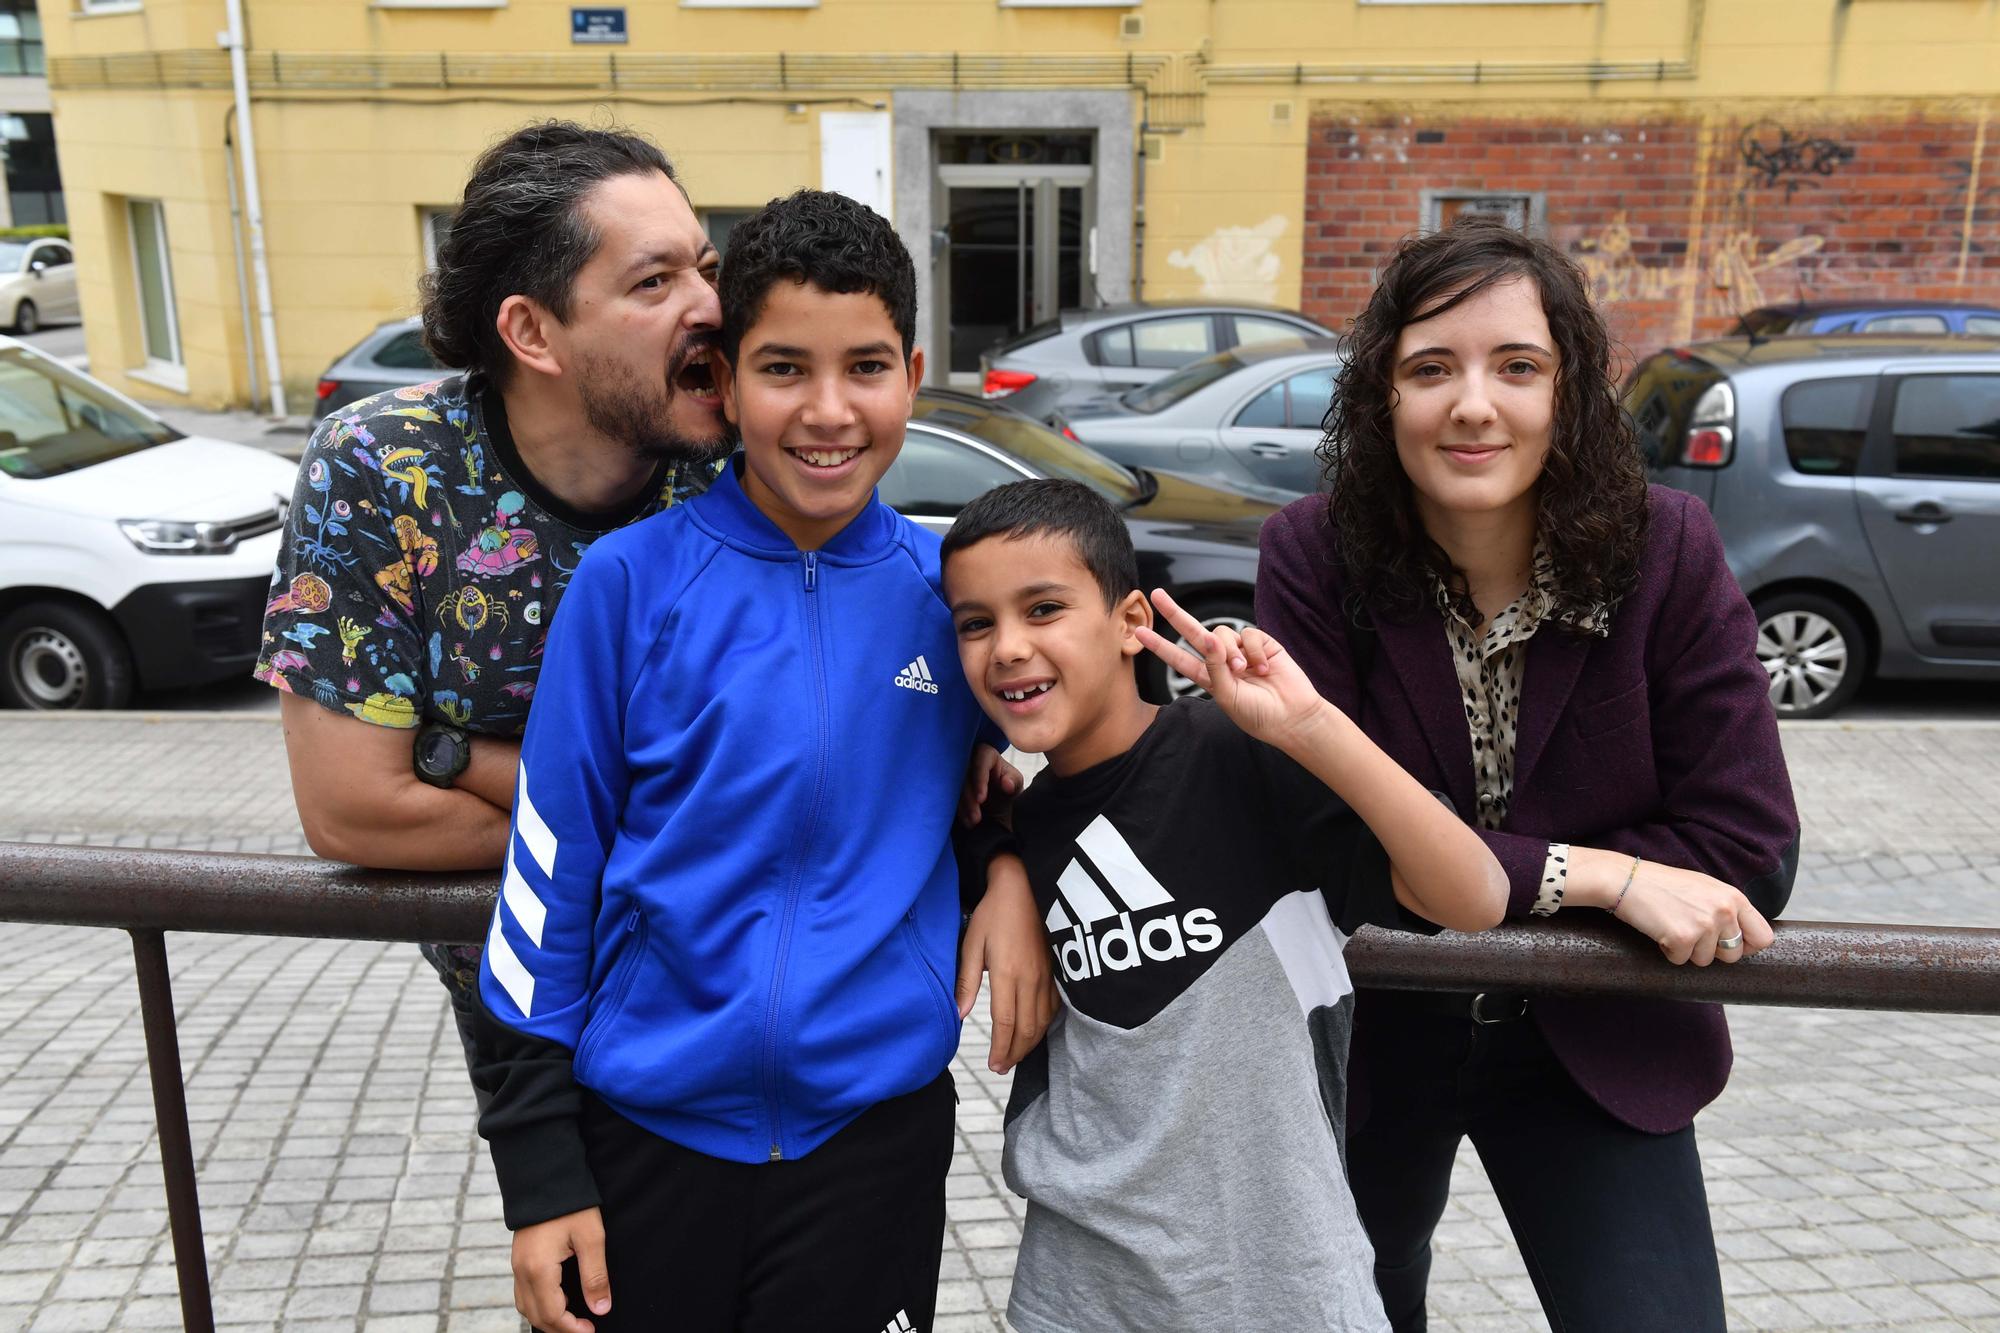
x: 390, y: 357
x: 1251, y: 417
x: 1083, y: 353
x: 1856, y: 483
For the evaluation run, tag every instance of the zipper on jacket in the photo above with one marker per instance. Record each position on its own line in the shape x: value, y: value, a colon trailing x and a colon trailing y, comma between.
x: 772, y: 1015
x: 619, y: 986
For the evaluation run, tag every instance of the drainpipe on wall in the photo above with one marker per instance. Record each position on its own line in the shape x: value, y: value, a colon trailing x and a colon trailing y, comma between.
x: 236, y: 244
x: 253, y: 203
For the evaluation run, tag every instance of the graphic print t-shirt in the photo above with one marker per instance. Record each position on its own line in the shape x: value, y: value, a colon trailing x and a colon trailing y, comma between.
x: 1179, y: 1135
x: 422, y: 564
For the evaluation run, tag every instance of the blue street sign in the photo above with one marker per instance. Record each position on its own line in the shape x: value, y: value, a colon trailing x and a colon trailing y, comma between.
x: 597, y: 25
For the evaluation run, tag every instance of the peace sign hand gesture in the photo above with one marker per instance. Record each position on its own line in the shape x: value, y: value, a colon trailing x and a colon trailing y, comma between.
x: 1250, y: 675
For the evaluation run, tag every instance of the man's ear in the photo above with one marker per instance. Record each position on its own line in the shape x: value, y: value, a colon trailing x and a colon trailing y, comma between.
x: 724, y: 375
x: 527, y: 330
x: 916, y: 374
x: 1133, y: 613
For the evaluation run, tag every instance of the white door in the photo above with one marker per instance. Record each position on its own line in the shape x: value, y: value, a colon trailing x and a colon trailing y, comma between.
x: 55, y: 291
x: 854, y: 153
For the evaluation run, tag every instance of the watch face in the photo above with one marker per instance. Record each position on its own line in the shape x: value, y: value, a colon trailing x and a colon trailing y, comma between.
x: 437, y: 751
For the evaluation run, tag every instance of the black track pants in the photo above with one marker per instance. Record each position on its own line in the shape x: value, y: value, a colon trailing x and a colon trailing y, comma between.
x: 846, y: 1239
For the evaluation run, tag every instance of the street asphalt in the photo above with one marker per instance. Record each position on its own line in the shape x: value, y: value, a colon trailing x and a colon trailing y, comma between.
x: 1853, y: 1165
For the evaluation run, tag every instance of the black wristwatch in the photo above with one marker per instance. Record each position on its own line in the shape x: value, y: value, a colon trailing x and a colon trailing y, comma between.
x: 441, y: 753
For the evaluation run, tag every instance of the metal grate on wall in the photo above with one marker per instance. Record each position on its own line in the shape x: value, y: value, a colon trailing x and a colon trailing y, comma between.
x: 308, y: 72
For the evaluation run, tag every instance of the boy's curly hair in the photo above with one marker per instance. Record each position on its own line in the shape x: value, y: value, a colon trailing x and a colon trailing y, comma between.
x: 1591, y: 499
x: 828, y: 240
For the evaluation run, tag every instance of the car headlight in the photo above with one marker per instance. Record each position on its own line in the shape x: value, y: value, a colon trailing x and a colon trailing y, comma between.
x: 158, y: 536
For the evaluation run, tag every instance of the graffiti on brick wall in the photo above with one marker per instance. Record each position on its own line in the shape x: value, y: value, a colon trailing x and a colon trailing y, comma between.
x: 1236, y: 263
x: 1775, y: 158
x: 1617, y: 275
x: 1743, y: 271
x: 1743, y: 263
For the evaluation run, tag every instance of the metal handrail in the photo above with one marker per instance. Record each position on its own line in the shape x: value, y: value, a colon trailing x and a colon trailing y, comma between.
x: 1819, y: 965
x: 1940, y: 969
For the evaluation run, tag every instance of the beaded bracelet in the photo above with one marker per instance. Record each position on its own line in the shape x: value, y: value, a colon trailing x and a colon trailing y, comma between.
x: 1630, y: 875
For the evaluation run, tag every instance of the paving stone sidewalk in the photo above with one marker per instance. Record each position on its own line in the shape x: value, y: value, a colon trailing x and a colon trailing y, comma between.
x: 1853, y: 1165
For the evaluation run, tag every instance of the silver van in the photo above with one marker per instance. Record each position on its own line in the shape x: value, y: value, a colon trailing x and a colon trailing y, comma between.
x: 1856, y: 482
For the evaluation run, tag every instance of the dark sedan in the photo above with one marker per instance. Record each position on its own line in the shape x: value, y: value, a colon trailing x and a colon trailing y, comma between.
x: 1195, y: 538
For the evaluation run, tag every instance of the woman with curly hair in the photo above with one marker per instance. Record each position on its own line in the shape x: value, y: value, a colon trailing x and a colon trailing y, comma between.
x: 1498, y: 598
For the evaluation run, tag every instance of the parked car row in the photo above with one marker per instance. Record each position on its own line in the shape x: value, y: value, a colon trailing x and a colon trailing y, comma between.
x: 1856, y: 481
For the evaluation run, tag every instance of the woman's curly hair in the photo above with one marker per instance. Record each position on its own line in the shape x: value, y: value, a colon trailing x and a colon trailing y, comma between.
x: 1591, y: 499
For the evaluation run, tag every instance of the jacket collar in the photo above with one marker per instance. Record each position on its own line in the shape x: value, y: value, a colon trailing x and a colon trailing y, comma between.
x: 727, y: 512
x: 1420, y: 655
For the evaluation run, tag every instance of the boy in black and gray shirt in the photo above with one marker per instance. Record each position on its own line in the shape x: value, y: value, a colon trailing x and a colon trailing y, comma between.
x: 1199, y: 867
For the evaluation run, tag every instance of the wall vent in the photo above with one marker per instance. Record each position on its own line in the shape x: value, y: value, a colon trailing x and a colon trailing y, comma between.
x: 1154, y: 147
x: 1281, y: 113
x: 1131, y: 26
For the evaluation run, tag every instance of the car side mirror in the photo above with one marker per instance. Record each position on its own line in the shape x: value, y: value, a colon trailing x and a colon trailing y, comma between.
x: 37, y: 267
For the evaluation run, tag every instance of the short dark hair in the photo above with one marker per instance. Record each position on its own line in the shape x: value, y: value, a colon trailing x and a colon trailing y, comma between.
x: 520, y: 230
x: 1059, y: 508
x: 828, y: 240
x: 1591, y: 501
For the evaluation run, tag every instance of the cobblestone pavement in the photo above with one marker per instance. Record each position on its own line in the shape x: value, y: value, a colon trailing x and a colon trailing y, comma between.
x: 1853, y: 1165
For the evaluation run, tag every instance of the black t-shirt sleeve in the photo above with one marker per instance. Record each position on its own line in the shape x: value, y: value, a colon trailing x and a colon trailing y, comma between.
x: 1329, y: 848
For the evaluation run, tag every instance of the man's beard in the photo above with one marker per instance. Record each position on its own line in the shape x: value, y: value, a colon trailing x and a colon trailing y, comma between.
x: 639, y: 414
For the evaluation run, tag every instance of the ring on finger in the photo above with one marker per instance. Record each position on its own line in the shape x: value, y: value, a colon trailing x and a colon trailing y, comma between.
x: 1733, y: 942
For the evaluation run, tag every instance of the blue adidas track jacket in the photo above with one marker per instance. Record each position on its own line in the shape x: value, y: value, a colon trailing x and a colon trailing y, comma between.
x: 730, y: 893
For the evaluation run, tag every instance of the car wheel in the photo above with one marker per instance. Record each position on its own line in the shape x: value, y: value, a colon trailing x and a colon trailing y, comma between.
x: 26, y: 318
x: 1815, y: 653
x: 1160, y: 683
x: 55, y: 656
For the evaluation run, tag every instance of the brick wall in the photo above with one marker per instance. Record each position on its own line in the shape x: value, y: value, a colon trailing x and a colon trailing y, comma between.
x: 1682, y: 220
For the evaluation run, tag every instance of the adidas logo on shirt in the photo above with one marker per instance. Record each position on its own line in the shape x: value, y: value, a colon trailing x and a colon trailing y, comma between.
x: 1080, y: 948
x: 917, y: 676
x: 901, y: 1323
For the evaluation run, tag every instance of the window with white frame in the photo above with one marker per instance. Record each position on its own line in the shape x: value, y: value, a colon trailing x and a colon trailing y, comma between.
x: 1521, y: 210
x: 435, y: 224
x: 152, y: 270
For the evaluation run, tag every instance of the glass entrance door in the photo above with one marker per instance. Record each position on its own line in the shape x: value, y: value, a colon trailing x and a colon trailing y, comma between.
x: 1013, y: 252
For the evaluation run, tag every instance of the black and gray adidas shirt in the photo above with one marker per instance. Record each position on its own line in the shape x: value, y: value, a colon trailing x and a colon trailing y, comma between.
x: 1178, y: 1137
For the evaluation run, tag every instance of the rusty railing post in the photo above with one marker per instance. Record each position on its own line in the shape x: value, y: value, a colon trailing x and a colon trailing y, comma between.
x: 170, y: 1114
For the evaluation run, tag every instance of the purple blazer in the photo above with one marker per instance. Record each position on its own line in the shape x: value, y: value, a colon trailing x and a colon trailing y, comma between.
x: 1658, y: 740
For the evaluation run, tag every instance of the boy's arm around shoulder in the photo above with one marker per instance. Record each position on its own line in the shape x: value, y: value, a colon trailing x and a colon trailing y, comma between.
x: 534, y: 975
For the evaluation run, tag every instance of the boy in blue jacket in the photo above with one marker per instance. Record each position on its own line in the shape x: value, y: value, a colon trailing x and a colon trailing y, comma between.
x: 716, y: 1008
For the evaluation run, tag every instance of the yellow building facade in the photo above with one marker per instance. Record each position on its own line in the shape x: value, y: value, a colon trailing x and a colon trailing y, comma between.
x: 1035, y: 154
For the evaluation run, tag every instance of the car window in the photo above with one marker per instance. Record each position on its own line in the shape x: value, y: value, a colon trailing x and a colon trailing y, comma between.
x: 13, y: 257
x: 1053, y: 455
x: 1661, y: 398
x: 1251, y: 330
x: 1312, y: 395
x: 406, y: 351
x: 1948, y: 426
x: 53, y: 420
x: 1266, y: 411
x: 1164, y: 392
x: 935, y: 478
x: 1114, y: 346
x: 1905, y: 324
x: 55, y: 254
x: 1168, y: 344
x: 1825, y: 423
x: 1988, y: 324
